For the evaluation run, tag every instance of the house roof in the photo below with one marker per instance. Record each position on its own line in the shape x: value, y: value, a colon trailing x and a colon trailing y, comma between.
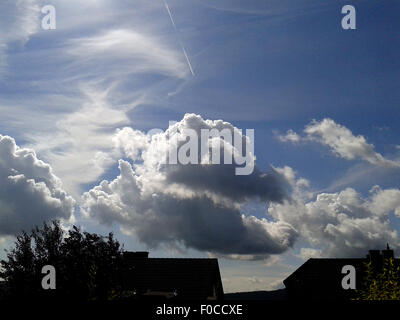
x: 322, y: 279
x: 321, y: 270
x: 188, y: 278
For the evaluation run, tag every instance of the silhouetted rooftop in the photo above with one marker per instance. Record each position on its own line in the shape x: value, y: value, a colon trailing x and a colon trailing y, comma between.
x: 181, y: 278
x: 320, y: 278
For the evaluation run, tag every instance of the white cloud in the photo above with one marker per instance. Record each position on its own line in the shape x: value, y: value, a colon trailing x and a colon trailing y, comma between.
x: 19, y: 20
x: 274, y: 260
x: 343, y: 224
x: 300, y: 186
x: 241, y: 257
x: 73, y: 130
x: 132, y: 142
x: 344, y: 144
x: 290, y: 136
x: 122, y: 51
x: 29, y: 191
x: 197, y: 206
x: 81, y: 147
x: 307, y: 253
x: 341, y: 142
x: 239, y: 283
x: 81, y: 81
x: 384, y: 201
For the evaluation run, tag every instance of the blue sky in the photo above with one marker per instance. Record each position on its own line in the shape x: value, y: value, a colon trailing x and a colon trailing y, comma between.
x: 271, y: 66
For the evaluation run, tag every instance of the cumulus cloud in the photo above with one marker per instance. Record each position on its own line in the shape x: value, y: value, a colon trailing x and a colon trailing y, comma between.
x: 201, y: 205
x: 29, y: 192
x: 342, y: 224
x: 131, y: 142
x: 198, y: 206
x: 341, y: 141
x: 383, y: 201
x: 300, y: 186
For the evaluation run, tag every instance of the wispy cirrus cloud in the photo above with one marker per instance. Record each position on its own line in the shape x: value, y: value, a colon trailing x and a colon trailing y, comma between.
x: 19, y: 20
x: 81, y: 148
x: 122, y: 51
x: 81, y: 89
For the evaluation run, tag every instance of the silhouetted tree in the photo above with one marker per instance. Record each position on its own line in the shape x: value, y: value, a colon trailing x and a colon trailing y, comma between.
x: 381, y: 284
x: 88, y: 266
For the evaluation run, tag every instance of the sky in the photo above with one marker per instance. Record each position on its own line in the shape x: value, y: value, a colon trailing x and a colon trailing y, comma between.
x: 78, y: 104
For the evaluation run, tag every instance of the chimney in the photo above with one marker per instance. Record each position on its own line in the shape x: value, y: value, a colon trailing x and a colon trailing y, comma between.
x: 375, y: 257
x: 388, y: 253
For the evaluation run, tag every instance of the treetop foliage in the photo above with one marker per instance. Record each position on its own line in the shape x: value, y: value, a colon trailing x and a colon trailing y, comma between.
x: 88, y: 266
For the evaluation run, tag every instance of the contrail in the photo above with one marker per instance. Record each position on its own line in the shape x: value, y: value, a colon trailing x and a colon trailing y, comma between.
x: 187, y: 58
x: 180, y: 42
x: 170, y: 15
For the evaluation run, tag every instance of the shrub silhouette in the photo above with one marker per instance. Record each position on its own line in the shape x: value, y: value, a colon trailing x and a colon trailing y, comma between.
x: 88, y: 266
x: 381, y: 284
